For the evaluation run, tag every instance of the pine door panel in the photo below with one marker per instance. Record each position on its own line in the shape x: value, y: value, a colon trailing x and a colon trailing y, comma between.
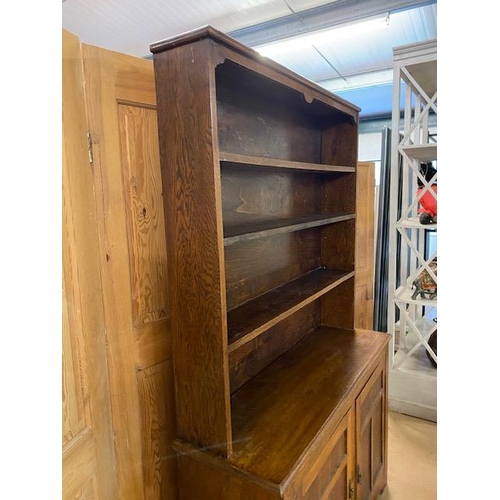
x: 121, y: 105
x: 365, y: 244
x: 87, y: 446
x: 143, y: 196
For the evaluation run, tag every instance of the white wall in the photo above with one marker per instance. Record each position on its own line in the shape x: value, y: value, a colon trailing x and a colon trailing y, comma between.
x: 370, y: 149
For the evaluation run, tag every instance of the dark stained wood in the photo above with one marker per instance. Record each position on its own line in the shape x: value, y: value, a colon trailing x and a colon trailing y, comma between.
x: 280, y: 411
x: 267, y: 364
x: 340, y: 144
x: 252, y: 357
x: 251, y: 231
x: 256, y: 194
x: 309, y: 93
x: 250, y: 123
x: 317, y: 454
x: 371, y: 434
x: 275, y: 163
x: 204, y: 476
x: 254, y: 317
x: 339, y: 193
x: 337, y: 306
x: 257, y: 266
x: 338, y: 245
x: 190, y: 177
x: 243, y: 54
x: 260, y: 114
x: 330, y: 466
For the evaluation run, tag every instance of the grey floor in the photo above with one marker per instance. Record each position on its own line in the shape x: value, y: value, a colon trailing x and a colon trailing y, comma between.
x: 412, y: 459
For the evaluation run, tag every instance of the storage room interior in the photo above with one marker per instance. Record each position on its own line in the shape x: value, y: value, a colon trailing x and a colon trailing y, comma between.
x: 249, y: 251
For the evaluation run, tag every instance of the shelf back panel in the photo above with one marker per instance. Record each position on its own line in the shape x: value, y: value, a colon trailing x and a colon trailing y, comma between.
x: 339, y: 144
x: 256, y: 266
x: 337, y: 306
x: 338, y: 245
x: 261, y: 117
x: 338, y: 193
x: 248, y: 360
x: 254, y: 195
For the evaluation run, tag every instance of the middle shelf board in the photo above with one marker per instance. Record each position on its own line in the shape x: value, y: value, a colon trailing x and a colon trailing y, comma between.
x: 414, y: 223
x: 258, y: 161
x: 277, y: 415
x: 258, y: 229
x: 404, y: 295
x: 422, y: 152
x: 252, y: 318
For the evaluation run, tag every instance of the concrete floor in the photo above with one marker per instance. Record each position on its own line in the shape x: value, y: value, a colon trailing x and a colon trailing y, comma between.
x: 412, y: 459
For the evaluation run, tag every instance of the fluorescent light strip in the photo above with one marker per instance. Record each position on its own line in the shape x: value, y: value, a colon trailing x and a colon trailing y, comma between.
x: 343, y: 32
x: 382, y: 77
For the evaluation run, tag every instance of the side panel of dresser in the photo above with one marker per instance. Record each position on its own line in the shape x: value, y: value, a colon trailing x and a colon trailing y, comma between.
x: 191, y: 180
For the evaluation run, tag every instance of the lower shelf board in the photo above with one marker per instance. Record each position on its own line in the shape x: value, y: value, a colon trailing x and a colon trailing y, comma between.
x: 277, y: 415
x: 417, y: 363
x: 249, y: 320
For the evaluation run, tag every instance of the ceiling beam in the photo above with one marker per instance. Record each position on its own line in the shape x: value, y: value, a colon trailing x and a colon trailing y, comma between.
x: 322, y: 17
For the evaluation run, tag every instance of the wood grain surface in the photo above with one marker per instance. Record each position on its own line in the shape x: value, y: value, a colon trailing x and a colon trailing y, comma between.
x: 278, y: 413
x: 191, y: 180
x: 254, y: 317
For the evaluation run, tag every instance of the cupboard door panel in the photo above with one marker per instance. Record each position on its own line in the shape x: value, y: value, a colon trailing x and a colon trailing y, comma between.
x: 371, y: 393
x: 328, y: 473
x: 371, y: 432
x: 340, y: 488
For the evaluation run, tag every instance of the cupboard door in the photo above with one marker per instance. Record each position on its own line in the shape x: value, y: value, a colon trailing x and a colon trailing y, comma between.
x: 329, y: 475
x: 371, y: 432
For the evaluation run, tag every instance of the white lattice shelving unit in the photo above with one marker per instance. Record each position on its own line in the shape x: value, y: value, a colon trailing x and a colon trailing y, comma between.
x: 413, y: 377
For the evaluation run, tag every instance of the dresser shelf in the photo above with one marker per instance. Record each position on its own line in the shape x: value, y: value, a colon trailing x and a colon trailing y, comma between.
x: 272, y: 378
x: 258, y: 161
x: 254, y: 230
x: 250, y: 319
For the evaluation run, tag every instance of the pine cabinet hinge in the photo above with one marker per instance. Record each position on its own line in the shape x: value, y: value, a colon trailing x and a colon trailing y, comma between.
x: 351, y: 490
x: 89, y: 143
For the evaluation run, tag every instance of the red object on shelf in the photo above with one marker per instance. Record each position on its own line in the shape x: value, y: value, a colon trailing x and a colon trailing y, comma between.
x: 428, y: 202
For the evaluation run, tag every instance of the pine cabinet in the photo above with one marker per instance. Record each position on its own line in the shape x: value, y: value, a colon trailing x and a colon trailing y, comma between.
x: 259, y: 178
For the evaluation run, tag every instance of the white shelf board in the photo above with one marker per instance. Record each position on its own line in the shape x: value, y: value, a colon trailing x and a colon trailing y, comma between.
x: 422, y: 152
x: 418, y: 363
x: 403, y: 294
x: 413, y: 223
x: 426, y: 76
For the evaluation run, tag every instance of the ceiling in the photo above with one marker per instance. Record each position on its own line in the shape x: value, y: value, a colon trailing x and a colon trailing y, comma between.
x: 355, y: 61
